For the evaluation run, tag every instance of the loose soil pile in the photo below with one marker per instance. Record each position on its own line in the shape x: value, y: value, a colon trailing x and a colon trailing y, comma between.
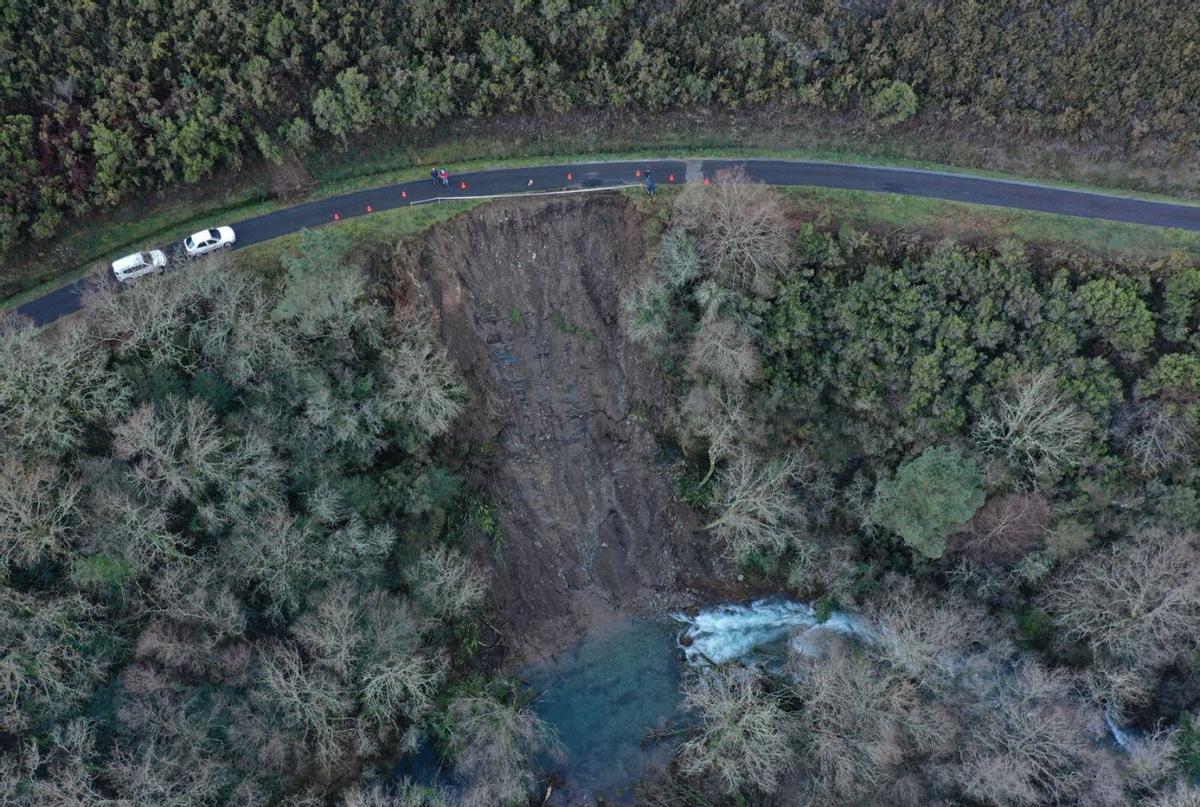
x: 526, y: 297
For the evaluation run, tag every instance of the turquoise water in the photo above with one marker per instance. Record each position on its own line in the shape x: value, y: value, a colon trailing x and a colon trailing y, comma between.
x: 603, y: 695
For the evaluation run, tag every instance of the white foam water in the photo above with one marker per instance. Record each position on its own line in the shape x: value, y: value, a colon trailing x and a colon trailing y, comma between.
x: 723, y: 633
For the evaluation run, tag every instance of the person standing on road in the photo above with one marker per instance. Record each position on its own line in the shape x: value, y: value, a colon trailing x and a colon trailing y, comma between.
x: 650, y: 186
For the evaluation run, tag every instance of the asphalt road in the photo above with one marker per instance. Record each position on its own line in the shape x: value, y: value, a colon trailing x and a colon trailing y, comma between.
x: 911, y: 182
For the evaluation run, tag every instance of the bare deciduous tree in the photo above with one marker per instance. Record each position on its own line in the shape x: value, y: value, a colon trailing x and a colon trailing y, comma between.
x: 1028, y: 742
x: 312, y: 701
x: 68, y: 764
x: 279, y: 556
x: 1153, y: 762
x: 132, y: 528
x: 401, y: 685
x: 43, y: 665
x: 859, y: 721
x: 173, y: 452
x: 330, y: 631
x: 1137, y: 603
x: 198, y: 593
x: 396, y: 676
x: 931, y: 641
x: 402, y: 794
x: 39, y: 511
x: 447, y: 583
x: 720, y: 351
x: 1156, y: 436
x: 1184, y: 794
x: 1035, y: 427
x: 423, y: 385
x: 680, y: 262
x: 717, y: 417
x: 52, y: 388
x: 759, y: 506
x: 744, y: 739
x: 744, y: 231
x: 1005, y: 529
x: 495, y: 746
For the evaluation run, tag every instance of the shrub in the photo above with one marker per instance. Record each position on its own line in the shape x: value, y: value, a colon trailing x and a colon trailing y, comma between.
x: 1116, y: 315
x: 649, y: 310
x: 929, y: 498
x: 1187, y: 745
x: 1069, y: 539
x: 894, y: 102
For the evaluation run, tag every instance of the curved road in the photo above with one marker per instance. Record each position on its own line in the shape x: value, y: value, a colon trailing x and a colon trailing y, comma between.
x: 909, y: 181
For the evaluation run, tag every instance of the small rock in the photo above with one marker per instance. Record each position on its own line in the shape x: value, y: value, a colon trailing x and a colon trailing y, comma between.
x: 816, y: 642
x: 741, y: 578
x: 603, y: 543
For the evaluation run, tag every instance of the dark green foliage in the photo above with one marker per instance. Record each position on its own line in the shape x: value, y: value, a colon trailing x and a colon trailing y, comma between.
x: 894, y: 102
x: 1115, y: 314
x: 96, y: 110
x: 1187, y: 745
x: 1181, y: 292
x: 929, y: 498
x: 432, y: 490
x: 824, y: 609
x: 916, y: 343
x: 697, y: 494
x: 1036, y: 626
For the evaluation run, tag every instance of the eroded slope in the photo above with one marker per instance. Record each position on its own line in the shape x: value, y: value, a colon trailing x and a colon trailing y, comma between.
x: 526, y: 297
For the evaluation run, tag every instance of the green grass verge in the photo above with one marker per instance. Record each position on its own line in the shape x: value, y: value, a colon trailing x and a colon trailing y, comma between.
x: 959, y: 220
x: 158, y: 223
x: 386, y: 227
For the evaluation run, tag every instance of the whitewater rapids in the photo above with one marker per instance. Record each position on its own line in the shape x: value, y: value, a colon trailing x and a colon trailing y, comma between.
x: 723, y: 633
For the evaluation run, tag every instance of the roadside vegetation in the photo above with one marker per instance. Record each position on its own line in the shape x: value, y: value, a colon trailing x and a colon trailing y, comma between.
x: 989, y: 451
x: 234, y: 558
x: 95, y: 116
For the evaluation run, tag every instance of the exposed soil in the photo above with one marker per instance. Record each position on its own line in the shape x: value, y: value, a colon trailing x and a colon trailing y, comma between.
x: 526, y: 297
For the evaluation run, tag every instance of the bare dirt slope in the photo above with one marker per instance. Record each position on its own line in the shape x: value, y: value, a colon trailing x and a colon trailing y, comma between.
x: 526, y: 297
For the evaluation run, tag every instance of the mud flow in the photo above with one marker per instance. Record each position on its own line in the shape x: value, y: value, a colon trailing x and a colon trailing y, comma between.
x: 526, y: 297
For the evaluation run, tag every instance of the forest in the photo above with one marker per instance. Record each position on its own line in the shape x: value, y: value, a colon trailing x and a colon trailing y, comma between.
x: 104, y: 102
x: 244, y: 561
x: 990, y: 451
x: 233, y: 560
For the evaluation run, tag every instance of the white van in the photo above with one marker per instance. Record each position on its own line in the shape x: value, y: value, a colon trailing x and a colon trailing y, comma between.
x: 131, y: 267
